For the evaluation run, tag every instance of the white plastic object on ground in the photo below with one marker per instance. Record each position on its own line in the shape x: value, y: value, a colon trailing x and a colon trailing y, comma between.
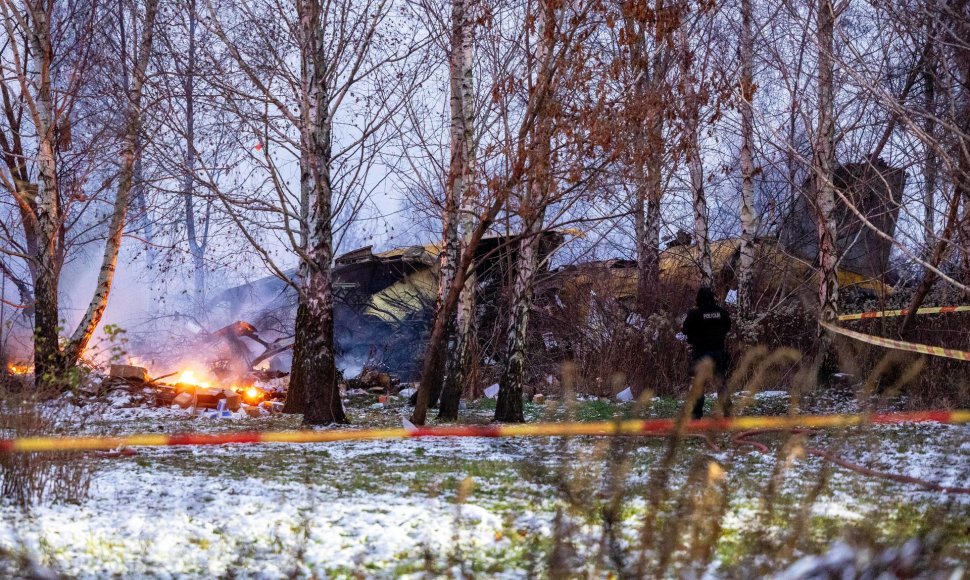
x: 491, y: 391
x: 625, y: 396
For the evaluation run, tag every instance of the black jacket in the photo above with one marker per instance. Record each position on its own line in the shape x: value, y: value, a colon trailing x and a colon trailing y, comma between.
x: 706, y: 327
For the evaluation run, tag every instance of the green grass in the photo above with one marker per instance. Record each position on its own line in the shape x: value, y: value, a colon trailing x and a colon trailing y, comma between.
x: 539, y: 476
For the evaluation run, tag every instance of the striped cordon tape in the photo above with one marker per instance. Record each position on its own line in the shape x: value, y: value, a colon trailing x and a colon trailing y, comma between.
x: 899, y: 344
x: 891, y: 313
x: 603, y: 428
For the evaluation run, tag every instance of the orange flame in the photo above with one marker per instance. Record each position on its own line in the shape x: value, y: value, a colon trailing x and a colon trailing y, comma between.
x: 19, y: 369
x: 187, y: 381
x: 251, y: 395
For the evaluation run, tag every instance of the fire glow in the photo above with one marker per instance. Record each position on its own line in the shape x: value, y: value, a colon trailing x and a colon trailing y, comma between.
x: 19, y: 369
x: 251, y: 395
x: 189, y: 379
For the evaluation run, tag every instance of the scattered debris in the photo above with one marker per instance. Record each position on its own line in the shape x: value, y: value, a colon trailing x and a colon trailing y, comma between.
x: 625, y: 396
x: 374, y: 381
x: 129, y: 372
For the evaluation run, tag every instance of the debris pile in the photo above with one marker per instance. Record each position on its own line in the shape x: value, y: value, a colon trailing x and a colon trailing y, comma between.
x: 374, y: 382
x: 258, y: 393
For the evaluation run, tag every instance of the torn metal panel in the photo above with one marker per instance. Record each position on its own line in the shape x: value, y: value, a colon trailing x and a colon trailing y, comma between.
x: 876, y: 190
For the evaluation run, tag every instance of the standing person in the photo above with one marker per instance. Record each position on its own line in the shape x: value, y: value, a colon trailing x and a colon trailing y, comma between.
x: 706, y: 327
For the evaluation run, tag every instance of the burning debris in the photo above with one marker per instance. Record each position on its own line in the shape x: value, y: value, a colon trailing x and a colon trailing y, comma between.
x: 20, y: 368
x: 255, y: 393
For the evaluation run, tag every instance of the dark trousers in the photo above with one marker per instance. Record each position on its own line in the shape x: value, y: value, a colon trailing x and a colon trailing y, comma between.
x: 720, y: 359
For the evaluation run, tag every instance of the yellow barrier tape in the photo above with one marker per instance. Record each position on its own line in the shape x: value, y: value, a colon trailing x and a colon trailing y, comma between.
x: 899, y: 344
x: 602, y: 428
x: 891, y: 313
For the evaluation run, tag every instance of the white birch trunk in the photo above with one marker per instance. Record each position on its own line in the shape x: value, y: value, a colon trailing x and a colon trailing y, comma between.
x: 824, y: 167
x: 648, y: 231
x: 463, y: 197
x: 749, y: 224
x: 532, y: 211
x: 512, y: 384
x: 648, y: 151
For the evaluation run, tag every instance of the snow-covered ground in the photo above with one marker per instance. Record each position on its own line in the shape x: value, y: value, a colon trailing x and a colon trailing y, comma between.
x: 450, y: 506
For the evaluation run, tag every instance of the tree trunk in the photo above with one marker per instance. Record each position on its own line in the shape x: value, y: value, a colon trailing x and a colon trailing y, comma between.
x: 540, y: 93
x: 748, y: 220
x: 459, y: 376
x: 129, y: 155
x: 929, y: 276
x: 317, y: 362
x: 196, y: 246
x: 448, y: 265
x: 139, y: 200
x: 295, y: 402
x: 824, y: 165
x: 512, y: 384
x: 931, y: 163
x: 695, y: 168
x: 47, y: 355
x: 434, y: 356
x: 532, y: 212
x: 647, y: 151
x: 648, y: 235
x: 461, y: 175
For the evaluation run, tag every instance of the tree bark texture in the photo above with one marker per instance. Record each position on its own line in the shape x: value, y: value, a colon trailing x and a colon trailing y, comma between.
x: 695, y: 167
x: 748, y: 220
x: 295, y: 403
x: 508, y: 408
x: 824, y: 166
x: 647, y: 152
x: 47, y: 355
x: 647, y: 224
x: 461, y: 176
x: 532, y: 211
x: 317, y: 362
x: 535, y: 108
x: 197, y: 242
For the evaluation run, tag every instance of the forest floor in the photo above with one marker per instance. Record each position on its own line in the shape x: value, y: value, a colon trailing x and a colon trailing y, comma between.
x: 482, y: 507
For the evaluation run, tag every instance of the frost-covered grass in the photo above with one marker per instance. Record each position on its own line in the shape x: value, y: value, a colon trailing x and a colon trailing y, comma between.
x: 488, y: 507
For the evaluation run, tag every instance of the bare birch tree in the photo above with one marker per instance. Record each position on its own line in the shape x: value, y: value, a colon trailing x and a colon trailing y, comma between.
x: 749, y: 222
x: 521, y: 111
x: 461, y: 201
x: 33, y: 31
x: 823, y: 167
x: 648, y: 39
x: 340, y: 48
x: 698, y: 89
x: 531, y: 211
